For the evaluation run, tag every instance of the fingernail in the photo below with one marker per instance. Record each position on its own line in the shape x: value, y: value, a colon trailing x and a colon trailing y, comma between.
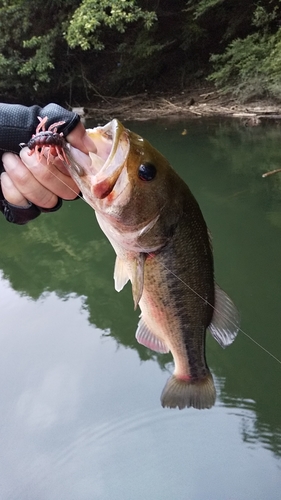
x: 9, y: 160
x: 29, y: 159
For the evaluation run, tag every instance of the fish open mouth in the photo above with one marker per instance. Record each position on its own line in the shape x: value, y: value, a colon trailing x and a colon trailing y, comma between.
x: 112, y: 148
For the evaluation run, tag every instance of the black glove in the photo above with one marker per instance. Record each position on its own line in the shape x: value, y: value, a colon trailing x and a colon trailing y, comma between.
x: 17, y: 125
x: 22, y: 215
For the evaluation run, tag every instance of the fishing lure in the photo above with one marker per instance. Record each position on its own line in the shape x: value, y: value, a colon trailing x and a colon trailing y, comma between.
x: 51, y: 139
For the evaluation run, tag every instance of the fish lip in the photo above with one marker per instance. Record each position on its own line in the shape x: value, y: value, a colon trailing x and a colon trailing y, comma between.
x: 102, y: 157
x: 106, y: 177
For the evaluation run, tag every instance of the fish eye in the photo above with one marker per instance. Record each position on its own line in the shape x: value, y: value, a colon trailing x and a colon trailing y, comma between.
x: 147, y: 171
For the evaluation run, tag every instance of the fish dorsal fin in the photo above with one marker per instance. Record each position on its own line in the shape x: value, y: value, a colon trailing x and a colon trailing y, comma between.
x: 137, y: 279
x: 145, y: 337
x: 225, y: 321
x: 120, y: 274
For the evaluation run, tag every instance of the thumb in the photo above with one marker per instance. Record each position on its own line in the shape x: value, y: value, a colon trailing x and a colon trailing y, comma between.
x: 80, y: 139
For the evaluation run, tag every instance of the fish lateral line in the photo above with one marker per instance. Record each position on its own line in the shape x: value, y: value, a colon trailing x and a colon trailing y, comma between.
x: 221, y: 314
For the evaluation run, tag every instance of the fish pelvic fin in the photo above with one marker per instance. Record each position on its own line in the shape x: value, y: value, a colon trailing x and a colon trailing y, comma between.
x: 145, y: 337
x: 179, y: 393
x: 225, y: 321
x: 120, y: 274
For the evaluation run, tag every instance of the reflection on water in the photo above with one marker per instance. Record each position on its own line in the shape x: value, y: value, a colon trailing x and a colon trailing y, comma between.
x: 87, y: 415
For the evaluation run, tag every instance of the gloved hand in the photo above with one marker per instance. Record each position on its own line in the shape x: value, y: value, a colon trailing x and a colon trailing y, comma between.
x: 28, y: 187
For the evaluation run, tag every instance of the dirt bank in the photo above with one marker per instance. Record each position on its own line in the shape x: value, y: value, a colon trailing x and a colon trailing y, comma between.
x: 193, y: 103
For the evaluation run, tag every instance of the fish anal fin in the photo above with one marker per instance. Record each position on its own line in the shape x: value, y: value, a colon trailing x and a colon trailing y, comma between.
x: 184, y: 393
x: 225, y: 321
x: 120, y: 274
x: 145, y: 337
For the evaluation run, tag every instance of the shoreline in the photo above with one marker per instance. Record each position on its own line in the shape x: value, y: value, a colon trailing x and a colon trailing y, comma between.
x: 190, y: 104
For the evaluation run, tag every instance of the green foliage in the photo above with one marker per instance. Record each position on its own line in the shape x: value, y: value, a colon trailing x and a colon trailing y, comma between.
x: 203, y: 6
x: 93, y: 16
x: 262, y: 18
x: 14, y: 26
x: 238, y: 69
x: 48, y: 47
x: 135, y: 59
x: 73, y: 50
x: 121, y: 31
x: 31, y: 33
x: 251, y: 66
x: 42, y: 62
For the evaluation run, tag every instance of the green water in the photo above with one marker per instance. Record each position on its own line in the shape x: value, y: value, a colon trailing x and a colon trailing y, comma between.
x: 80, y: 400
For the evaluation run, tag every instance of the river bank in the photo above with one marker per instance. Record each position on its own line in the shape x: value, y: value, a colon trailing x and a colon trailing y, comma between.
x: 194, y: 103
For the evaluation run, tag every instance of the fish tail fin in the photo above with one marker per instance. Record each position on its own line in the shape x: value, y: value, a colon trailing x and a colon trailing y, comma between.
x: 185, y: 393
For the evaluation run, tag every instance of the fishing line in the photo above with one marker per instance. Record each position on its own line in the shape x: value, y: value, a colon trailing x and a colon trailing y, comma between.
x: 219, y: 312
x: 185, y: 284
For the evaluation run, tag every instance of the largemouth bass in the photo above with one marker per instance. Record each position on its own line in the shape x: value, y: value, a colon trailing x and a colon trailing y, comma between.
x: 163, y: 247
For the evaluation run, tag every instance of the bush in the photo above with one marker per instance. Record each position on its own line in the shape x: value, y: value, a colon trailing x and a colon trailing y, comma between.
x: 251, y: 67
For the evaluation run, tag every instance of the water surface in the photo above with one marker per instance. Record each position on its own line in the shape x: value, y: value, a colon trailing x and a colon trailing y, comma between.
x: 80, y: 399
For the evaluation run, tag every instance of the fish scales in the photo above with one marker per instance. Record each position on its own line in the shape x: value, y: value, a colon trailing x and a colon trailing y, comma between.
x: 184, y: 311
x: 163, y: 247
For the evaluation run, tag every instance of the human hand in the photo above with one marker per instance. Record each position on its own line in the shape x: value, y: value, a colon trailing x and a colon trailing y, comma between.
x: 27, y: 180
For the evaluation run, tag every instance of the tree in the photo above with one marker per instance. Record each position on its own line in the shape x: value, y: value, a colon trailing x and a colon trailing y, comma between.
x: 33, y: 47
x: 250, y: 66
x: 73, y: 50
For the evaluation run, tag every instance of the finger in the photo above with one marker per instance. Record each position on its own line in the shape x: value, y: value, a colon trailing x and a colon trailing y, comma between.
x: 80, y: 139
x: 76, y: 154
x: 11, y: 193
x: 48, y: 175
x: 26, y: 183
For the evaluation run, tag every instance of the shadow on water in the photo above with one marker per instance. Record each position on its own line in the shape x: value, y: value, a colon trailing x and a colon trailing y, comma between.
x: 222, y: 162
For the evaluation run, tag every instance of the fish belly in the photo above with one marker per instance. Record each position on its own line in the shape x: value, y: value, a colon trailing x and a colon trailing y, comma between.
x: 176, y: 309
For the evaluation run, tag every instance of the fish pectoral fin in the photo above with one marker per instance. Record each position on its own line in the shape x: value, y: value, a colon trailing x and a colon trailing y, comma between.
x: 120, y: 274
x: 145, y: 337
x: 225, y: 321
x: 137, y: 279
